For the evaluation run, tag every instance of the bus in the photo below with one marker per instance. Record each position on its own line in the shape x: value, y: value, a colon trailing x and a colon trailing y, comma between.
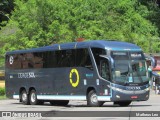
x: 95, y: 71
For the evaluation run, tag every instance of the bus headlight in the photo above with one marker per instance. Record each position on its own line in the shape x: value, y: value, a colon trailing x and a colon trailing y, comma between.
x: 147, y: 89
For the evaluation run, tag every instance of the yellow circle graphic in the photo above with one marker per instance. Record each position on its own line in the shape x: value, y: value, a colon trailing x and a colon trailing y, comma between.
x: 74, y: 84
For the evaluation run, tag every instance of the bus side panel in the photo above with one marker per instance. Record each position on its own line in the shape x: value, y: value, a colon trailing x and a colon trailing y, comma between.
x: 55, y: 81
x: 61, y: 81
x: 13, y: 84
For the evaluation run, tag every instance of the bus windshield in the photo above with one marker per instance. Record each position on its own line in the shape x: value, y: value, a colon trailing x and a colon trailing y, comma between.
x: 130, y: 68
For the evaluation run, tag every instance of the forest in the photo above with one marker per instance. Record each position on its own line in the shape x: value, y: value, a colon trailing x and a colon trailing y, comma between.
x: 28, y: 24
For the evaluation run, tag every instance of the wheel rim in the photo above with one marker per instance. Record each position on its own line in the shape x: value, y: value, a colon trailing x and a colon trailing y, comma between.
x: 24, y: 96
x: 94, y: 98
x: 33, y: 97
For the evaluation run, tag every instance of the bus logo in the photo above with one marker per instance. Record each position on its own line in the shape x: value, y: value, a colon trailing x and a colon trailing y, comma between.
x: 133, y: 88
x: 74, y: 71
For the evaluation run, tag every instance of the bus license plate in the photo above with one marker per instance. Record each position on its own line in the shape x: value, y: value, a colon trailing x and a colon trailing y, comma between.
x: 134, y: 97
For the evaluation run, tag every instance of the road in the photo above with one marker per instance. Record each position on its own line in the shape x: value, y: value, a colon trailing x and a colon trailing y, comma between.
x: 79, y: 108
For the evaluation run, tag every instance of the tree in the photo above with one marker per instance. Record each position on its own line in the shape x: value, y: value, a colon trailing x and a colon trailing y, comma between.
x: 43, y: 22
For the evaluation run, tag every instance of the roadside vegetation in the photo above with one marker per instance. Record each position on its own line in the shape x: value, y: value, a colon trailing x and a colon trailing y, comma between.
x: 34, y: 23
x: 2, y: 93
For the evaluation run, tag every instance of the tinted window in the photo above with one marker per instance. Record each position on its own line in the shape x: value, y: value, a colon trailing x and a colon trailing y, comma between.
x: 13, y: 61
x: 83, y: 58
x: 96, y: 53
x: 50, y: 59
x: 66, y: 58
x: 25, y: 61
x: 104, y: 69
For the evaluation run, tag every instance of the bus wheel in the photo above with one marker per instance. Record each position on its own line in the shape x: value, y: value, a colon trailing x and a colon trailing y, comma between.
x: 59, y: 102
x: 122, y: 103
x: 24, y: 97
x: 33, y: 97
x: 92, y: 99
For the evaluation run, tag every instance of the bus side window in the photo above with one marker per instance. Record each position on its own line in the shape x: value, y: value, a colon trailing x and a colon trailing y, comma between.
x: 66, y: 58
x: 104, y: 69
x: 83, y: 59
x: 38, y: 60
x: 96, y: 53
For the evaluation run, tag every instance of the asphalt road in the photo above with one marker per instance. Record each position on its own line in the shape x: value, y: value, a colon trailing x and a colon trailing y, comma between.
x: 78, y: 110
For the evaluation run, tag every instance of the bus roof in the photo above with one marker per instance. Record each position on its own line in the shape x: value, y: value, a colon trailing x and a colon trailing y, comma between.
x: 109, y: 45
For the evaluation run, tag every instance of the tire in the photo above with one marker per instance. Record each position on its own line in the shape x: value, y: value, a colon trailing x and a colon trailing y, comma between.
x: 92, y: 100
x: 24, y: 97
x: 123, y: 103
x: 59, y: 102
x: 33, y: 98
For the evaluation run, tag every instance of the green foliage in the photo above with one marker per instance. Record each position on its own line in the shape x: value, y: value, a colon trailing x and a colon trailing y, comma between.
x: 36, y: 23
x: 2, y: 91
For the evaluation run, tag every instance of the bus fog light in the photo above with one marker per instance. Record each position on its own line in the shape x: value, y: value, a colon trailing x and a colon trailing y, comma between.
x: 147, y: 96
x: 117, y: 96
x: 147, y: 89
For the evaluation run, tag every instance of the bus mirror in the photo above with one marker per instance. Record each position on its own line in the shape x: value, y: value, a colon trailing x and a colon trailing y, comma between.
x: 109, y: 59
x: 117, y: 73
x: 153, y: 62
x: 112, y: 63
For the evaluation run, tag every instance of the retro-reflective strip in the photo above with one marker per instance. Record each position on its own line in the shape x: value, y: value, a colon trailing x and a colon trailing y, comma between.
x: 15, y: 96
x: 104, y: 98
x: 69, y: 97
x: 61, y: 97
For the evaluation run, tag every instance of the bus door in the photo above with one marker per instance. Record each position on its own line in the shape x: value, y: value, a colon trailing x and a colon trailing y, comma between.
x: 105, y: 73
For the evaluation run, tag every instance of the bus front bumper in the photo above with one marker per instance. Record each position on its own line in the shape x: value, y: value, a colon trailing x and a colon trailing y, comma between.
x: 126, y: 95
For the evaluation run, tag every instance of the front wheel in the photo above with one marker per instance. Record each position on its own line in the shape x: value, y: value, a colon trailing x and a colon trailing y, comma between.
x: 122, y: 103
x: 92, y: 99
